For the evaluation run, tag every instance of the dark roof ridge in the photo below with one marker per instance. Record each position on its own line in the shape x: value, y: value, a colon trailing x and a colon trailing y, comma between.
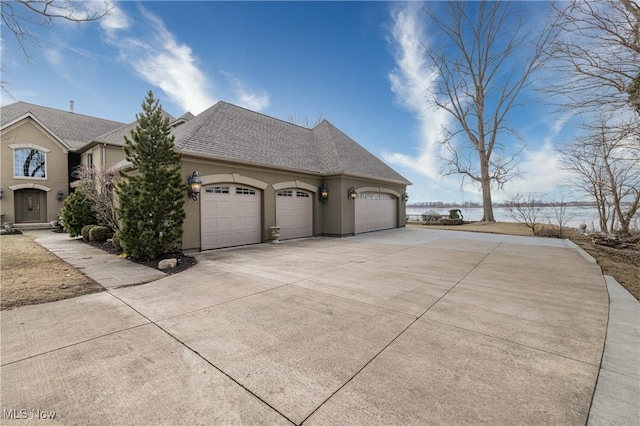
x: 265, y: 115
x: 197, y: 126
x: 60, y: 110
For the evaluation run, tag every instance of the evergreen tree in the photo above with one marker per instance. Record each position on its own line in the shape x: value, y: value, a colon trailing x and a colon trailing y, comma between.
x: 151, y: 198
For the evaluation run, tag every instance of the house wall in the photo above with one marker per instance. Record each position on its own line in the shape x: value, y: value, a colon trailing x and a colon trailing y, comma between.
x: 361, y: 185
x: 333, y: 217
x: 206, y: 169
x: 104, y: 156
x: 29, y: 132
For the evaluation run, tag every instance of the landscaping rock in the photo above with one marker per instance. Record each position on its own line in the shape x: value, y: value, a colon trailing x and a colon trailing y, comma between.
x: 167, y: 263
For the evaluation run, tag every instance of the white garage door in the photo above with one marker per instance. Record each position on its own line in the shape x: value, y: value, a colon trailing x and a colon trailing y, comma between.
x: 230, y: 216
x: 294, y: 214
x: 375, y: 211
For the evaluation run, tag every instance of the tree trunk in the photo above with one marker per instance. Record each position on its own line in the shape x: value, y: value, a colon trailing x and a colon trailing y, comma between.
x: 487, y: 204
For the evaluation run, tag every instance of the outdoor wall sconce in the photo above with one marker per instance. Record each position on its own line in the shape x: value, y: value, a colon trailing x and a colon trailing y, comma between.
x: 59, y: 195
x: 351, y: 193
x: 405, y: 197
x: 194, y: 183
x: 323, y: 192
x: 1, y: 193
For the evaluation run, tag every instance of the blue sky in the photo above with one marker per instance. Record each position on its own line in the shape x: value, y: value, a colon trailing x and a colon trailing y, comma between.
x: 360, y: 65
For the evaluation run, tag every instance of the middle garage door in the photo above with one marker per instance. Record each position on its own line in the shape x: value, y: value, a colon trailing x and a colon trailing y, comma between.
x: 231, y: 216
x: 294, y: 214
x: 375, y: 211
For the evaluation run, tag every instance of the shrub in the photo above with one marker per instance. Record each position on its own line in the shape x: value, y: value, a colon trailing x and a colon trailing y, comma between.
x: 99, y: 234
x: 115, y: 240
x: 76, y: 213
x: 85, y: 231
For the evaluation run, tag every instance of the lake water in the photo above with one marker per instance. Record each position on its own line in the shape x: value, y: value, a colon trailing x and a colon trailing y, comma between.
x: 574, y: 215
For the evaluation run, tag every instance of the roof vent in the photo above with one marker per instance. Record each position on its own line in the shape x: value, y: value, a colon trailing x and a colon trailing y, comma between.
x: 71, y: 106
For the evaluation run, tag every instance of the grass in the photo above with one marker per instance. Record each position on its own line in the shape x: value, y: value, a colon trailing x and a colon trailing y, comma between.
x: 30, y: 274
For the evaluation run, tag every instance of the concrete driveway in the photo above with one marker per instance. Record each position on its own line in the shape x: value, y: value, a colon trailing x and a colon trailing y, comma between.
x: 406, y: 326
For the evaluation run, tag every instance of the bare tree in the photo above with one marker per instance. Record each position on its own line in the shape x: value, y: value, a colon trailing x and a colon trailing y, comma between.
x: 98, y: 186
x: 597, y: 52
x: 305, y: 121
x: 484, y: 62
x: 559, y: 215
x: 527, y: 210
x: 606, y: 165
x: 19, y: 16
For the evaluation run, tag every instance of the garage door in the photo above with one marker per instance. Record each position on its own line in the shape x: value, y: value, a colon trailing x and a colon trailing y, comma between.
x: 294, y: 214
x: 375, y: 211
x: 230, y: 216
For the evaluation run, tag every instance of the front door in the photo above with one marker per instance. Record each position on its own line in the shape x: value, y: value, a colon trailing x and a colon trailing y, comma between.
x: 31, y: 206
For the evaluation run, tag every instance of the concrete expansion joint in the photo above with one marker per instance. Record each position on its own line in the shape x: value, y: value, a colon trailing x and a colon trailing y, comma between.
x: 75, y: 344
x: 190, y: 349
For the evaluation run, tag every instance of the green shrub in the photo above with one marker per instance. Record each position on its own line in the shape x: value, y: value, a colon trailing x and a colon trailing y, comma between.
x: 85, y: 231
x: 115, y: 240
x: 99, y: 234
x: 76, y: 213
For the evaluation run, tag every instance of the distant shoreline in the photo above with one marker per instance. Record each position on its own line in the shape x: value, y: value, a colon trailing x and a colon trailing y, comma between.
x: 474, y: 205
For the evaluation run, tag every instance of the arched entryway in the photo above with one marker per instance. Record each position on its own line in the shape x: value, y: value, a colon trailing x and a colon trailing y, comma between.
x: 30, y: 205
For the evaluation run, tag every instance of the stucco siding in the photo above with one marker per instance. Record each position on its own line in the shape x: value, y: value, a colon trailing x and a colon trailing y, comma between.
x: 28, y: 133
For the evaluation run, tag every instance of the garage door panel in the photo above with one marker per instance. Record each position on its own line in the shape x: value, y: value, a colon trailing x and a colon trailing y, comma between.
x: 375, y: 211
x: 294, y: 214
x: 230, y: 216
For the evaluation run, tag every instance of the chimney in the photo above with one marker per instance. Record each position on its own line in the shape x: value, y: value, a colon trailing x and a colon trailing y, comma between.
x: 71, y: 106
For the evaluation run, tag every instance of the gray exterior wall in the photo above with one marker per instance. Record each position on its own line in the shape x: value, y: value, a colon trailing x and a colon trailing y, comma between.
x: 28, y: 132
x: 333, y: 217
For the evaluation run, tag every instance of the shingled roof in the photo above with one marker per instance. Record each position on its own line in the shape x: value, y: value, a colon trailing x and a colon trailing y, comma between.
x: 230, y: 132
x: 116, y: 137
x: 75, y: 130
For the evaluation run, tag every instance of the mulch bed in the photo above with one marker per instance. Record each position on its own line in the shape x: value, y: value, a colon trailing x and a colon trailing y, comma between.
x: 184, y: 261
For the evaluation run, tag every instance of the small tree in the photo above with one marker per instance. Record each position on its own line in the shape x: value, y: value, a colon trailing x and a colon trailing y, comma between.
x: 151, y: 199
x: 76, y: 213
x: 98, y: 187
x: 605, y: 164
x: 559, y: 215
x: 525, y: 209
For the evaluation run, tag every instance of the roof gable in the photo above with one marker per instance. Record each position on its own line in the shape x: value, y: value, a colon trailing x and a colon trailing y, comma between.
x: 39, y: 125
x: 76, y: 130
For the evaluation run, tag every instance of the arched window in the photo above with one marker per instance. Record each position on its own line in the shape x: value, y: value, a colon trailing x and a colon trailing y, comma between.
x: 29, y: 162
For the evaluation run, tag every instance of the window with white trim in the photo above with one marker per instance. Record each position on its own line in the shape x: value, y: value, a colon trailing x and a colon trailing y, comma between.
x: 245, y: 191
x: 375, y: 196
x: 29, y: 162
x: 217, y: 189
x: 302, y: 194
x: 285, y: 193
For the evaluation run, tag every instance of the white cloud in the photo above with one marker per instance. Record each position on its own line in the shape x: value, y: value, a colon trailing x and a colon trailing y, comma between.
x: 256, y: 101
x: 411, y: 81
x: 162, y: 61
x: 115, y: 20
x: 541, y: 173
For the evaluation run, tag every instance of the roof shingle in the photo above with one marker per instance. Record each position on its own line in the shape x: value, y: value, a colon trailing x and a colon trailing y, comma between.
x: 76, y: 130
x: 234, y: 133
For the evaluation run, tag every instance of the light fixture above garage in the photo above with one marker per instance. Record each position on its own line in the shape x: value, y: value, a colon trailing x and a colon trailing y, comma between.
x: 195, y: 183
x: 405, y: 197
x: 59, y: 195
x: 351, y: 193
x: 323, y: 192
